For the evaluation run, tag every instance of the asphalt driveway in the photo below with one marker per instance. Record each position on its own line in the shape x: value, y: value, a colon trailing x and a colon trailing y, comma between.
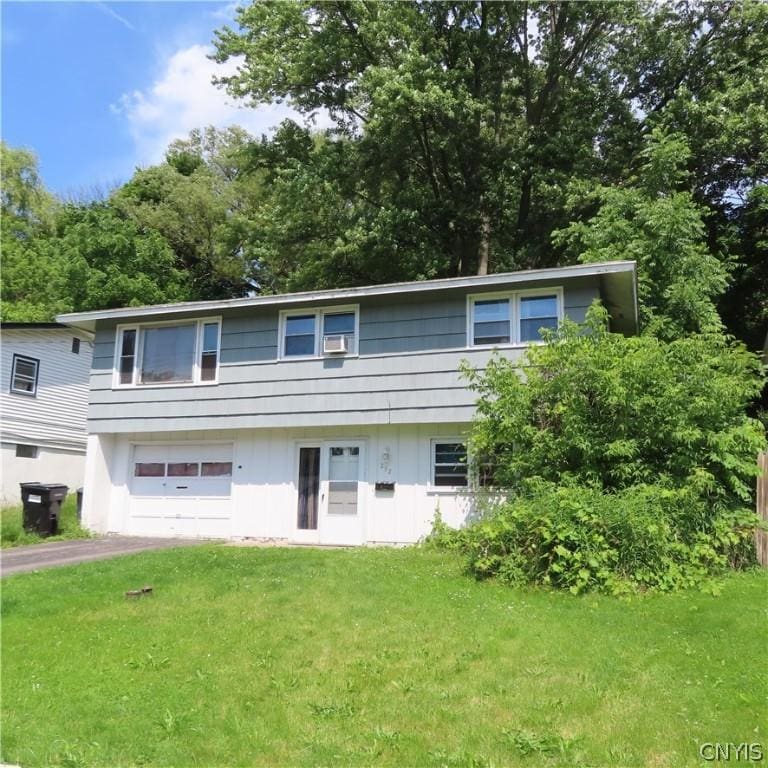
x: 37, y: 556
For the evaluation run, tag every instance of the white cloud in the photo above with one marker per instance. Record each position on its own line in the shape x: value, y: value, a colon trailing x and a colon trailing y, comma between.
x: 183, y: 98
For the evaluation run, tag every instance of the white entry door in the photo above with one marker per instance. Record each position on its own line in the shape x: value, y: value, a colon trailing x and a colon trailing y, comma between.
x: 341, y: 519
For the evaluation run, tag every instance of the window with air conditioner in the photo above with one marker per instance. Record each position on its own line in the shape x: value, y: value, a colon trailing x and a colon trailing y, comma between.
x: 327, y: 332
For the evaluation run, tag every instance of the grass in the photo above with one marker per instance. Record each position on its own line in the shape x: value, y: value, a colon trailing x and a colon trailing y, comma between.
x: 12, y: 533
x: 306, y: 657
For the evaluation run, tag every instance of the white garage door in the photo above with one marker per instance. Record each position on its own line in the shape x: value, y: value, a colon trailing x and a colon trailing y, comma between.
x: 181, y: 490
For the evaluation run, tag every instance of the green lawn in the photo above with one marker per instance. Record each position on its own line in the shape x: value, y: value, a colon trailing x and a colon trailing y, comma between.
x: 12, y: 533
x: 367, y: 657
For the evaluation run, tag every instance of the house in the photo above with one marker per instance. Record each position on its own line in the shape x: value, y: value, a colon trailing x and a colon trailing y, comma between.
x: 331, y: 417
x: 44, y: 400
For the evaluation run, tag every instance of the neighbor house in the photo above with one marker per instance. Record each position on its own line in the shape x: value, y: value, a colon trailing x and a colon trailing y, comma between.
x: 44, y: 401
x: 332, y: 417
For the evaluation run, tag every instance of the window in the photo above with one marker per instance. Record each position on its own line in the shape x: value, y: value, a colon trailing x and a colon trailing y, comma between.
x: 326, y: 332
x: 210, y: 357
x: 127, y: 356
x: 537, y: 312
x: 165, y: 353
x: 216, y: 469
x: 299, y: 336
x: 26, y: 451
x: 183, y: 469
x: 339, y: 325
x: 513, y: 318
x: 149, y: 469
x: 75, y: 346
x: 24, y: 372
x: 492, y: 322
x: 449, y: 463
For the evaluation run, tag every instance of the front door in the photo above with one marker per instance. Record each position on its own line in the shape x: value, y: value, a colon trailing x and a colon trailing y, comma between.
x: 341, y: 517
x: 329, y: 498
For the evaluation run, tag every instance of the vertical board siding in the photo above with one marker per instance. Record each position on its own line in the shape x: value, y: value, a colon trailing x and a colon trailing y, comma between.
x: 761, y: 537
x: 56, y: 416
x: 265, y: 479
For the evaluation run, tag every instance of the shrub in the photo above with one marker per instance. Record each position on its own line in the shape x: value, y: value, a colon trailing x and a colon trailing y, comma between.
x: 603, y: 410
x: 629, y: 463
x: 580, y: 539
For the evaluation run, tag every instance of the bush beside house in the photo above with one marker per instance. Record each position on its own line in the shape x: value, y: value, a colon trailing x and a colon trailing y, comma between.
x: 631, y: 461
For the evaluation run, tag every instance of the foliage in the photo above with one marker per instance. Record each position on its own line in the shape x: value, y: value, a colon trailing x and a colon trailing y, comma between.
x: 94, y: 259
x: 629, y: 461
x: 465, y: 134
x: 196, y: 202
x: 660, y: 227
x: 581, y: 538
x: 604, y: 410
x: 12, y: 533
x: 167, y: 235
x: 378, y: 656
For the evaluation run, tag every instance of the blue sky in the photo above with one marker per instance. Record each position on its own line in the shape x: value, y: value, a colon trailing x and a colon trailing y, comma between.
x: 96, y: 89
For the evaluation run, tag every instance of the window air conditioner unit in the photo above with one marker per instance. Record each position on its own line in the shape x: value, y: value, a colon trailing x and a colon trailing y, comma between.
x: 334, y: 345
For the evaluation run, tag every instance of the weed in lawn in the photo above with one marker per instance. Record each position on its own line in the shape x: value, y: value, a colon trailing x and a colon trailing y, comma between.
x: 148, y: 661
x: 332, y: 710
x: 528, y: 743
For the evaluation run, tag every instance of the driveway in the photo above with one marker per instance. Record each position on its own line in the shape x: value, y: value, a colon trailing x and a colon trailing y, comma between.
x: 37, y: 556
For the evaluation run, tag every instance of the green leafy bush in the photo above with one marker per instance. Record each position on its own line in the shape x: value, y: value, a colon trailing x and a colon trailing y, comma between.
x: 579, y: 538
x: 628, y: 463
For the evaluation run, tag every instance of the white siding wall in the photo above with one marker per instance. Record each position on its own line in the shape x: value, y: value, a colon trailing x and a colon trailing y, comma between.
x: 55, y: 419
x: 56, y: 416
x: 264, y: 487
x: 51, y: 465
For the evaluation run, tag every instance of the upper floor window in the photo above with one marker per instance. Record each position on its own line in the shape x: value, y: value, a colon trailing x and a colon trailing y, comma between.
x: 168, y: 353
x: 513, y: 318
x: 24, y: 372
x: 321, y: 332
x: 537, y: 312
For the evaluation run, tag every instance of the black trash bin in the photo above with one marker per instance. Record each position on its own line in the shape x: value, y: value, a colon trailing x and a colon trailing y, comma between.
x: 42, y: 504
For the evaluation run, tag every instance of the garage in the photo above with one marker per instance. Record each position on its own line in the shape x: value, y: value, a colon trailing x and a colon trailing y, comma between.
x: 181, y: 490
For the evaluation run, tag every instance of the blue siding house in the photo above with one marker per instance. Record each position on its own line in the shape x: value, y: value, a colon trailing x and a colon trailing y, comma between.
x: 334, y: 417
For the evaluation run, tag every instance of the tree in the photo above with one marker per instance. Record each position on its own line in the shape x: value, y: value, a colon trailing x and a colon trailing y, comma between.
x: 60, y: 258
x: 462, y: 124
x: 462, y: 119
x: 197, y: 202
x: 25, y: 204
x: 656, y: 222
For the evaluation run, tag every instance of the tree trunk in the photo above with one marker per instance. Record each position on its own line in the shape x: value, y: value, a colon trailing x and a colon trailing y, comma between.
x: 484, y: 246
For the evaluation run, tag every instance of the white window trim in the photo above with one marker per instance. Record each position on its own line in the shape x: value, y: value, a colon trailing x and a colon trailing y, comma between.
x: 318, y: 313
x: 450, y: 489
x: 25, y: 359
x: 514, y: 298
x: 199, y: 322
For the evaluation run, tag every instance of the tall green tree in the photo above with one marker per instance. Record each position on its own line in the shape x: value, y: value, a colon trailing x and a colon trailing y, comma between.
x: 655, y: 221
x: 198, y: 202
x: 459, y: 128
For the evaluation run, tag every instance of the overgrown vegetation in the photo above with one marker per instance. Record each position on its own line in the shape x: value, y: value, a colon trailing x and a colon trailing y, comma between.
x: 368, y: 657
x: 629, y: 463
x: 12, y: 533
